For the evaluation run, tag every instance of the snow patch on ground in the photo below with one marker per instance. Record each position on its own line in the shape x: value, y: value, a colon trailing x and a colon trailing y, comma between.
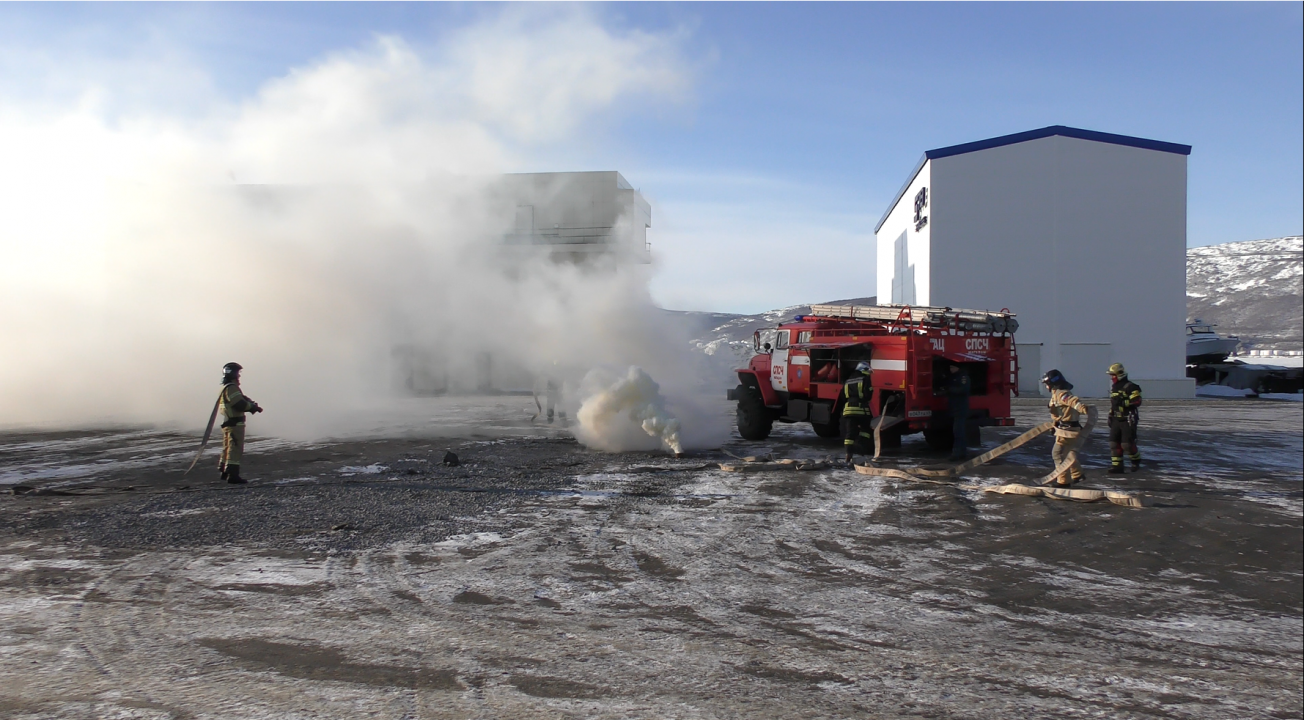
x: 470, y: 540
x: 375, y: 469
x: 178, y: 513
x: 1222, y: 391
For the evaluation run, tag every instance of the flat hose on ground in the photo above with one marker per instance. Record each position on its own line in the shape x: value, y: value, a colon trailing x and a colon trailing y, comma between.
x: 926, y: 474
x: 954, y: 471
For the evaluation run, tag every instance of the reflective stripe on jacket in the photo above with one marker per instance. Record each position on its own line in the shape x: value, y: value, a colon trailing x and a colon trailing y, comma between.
x: 857, y: 397
x: 234, y: 402
x: 1124, y: 398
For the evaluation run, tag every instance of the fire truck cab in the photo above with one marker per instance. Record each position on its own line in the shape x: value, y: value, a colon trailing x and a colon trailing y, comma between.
x: 909, y: 351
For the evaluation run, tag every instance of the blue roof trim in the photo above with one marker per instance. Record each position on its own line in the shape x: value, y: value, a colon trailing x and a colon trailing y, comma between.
x: 1062, y: 130
x: 914, y: 174
x: 1065, y: 131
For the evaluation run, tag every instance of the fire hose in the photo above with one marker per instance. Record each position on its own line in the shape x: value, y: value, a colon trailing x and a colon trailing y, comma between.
x: 920, y: 473
x: 208, y: 433
x: 1076, y: 437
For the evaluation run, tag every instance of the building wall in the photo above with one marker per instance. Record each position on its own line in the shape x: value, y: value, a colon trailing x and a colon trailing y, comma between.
x: 992, y: 215
x: 568, y: 217
x: 904, y: 277
x: 578, y: 212
x: 1085, y: 241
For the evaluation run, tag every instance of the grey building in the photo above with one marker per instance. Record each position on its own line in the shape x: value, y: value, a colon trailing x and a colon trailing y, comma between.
x: 585, y: 218
x: 1081, y: 233
x: 577, y: 216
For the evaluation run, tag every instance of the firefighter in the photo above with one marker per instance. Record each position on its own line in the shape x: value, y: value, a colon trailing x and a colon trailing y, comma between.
x: 1124, y: 415
x: 957, y: 402
x: 552, y: 396
x: 1065, y: 408
x: 855, y: 411
x: 552, y: 393
x: 234, y: 405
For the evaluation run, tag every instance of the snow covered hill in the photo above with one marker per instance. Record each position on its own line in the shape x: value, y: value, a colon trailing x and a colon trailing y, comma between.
x: 729, y: 338
x: 1251, y: 289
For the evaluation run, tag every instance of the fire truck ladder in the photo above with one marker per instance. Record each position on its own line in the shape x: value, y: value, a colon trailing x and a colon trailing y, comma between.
x: 984, y: 321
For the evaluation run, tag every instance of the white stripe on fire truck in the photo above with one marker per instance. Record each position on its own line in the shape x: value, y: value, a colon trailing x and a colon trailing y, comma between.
x: 887, y: 364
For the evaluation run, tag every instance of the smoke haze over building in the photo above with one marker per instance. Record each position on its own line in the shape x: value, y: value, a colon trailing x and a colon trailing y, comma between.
x: 308, y: 230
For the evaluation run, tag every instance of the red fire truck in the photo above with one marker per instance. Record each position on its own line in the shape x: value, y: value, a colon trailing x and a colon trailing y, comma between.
x: 909, y: 350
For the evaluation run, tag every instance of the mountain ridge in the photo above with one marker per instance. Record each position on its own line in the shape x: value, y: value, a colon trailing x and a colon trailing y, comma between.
x: 1253, y: 289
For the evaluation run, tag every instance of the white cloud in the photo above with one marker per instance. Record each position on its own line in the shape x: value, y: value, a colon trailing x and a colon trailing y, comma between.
x: 536, y: 77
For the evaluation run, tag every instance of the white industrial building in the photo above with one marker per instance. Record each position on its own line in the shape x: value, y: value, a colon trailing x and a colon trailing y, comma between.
x: 1082, y: 234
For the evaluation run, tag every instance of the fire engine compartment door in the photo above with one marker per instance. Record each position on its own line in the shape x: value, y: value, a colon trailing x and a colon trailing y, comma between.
x: 965, y: 357
x: 851, y: 355
x: 779, y: 361
x: 975, y: 366
x: 824, y: 364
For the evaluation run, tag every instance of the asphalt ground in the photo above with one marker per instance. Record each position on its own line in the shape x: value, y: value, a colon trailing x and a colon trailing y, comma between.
x: 363, y: 577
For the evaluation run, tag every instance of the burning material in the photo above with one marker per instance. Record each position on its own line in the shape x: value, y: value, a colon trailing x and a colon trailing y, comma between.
x: 625, y: 413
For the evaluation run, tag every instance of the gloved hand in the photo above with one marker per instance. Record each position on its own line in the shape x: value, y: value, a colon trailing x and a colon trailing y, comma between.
x: 257, y: 409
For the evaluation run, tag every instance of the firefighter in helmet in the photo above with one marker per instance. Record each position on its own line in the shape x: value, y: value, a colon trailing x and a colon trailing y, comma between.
x: 855, y: 411
x: 234, y: 405
x: 1124, y: 415
x: 1065, y: 408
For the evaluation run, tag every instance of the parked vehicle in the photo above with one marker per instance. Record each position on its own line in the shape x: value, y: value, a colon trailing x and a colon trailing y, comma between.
x: 1203, y: 345
x: 909, y: 350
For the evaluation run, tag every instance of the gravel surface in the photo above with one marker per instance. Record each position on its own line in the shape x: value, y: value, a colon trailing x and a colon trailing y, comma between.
x: 539, y: 579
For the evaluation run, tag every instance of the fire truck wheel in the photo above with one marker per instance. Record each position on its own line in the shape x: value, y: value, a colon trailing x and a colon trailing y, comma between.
x: 753, y: 421
x: 939, y: 439
x: 827, y: 430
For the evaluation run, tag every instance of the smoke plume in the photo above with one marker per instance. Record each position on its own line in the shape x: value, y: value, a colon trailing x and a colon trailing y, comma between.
x: 308, y: 231
x: 626, y: 412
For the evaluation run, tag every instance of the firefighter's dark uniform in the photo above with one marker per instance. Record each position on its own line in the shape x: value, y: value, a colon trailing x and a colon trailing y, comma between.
x: 957, y: 402
x: 855, y: 412
x: 1124, y: 414
x: 1066, y: 408
x: 552, y: 396
x: 234, y: 405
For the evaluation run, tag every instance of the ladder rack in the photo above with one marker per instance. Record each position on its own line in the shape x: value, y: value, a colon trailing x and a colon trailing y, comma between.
x: 984, y: 321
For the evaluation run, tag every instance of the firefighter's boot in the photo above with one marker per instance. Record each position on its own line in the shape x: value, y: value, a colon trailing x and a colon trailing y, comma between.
x: 1136, y: 460
x: 233, y: 475
x: 1116, y: 465
x: 1074, y: 480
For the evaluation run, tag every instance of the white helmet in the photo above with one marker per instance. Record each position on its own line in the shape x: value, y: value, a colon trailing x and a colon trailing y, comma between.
x: 862, y: 367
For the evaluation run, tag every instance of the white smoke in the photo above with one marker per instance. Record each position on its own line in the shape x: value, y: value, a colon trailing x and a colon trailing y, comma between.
x: 307, y: 231
x: 625, y: 412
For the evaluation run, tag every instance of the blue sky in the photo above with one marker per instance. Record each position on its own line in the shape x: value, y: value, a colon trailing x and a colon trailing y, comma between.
x: 794, y: 124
